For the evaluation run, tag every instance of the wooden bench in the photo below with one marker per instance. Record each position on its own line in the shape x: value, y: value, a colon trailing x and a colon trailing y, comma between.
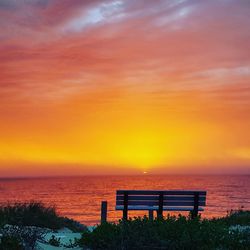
x: 160, y: 200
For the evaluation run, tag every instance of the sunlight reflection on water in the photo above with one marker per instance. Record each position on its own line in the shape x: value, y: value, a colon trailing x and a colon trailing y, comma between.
x: 80, y: 197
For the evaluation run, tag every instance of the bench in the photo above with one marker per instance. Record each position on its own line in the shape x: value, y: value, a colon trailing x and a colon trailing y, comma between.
x: 160, y: 200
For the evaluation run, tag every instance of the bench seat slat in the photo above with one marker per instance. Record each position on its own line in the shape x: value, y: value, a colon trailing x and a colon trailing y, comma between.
x: 160, y: 200
x: 165, y: 203
x: 156, y: 208
x: 156, y: 197
x: 157, y: 192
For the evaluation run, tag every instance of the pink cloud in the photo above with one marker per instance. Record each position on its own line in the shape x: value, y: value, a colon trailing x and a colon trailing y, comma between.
x: 66, y: 46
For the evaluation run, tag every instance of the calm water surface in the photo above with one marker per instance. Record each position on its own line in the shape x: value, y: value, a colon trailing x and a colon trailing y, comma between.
x: 80, y: 197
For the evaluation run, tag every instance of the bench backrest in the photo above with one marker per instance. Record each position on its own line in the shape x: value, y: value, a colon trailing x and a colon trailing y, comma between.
x: 171, y: 200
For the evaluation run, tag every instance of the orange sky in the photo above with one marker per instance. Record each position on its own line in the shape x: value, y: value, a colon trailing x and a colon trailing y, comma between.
x: 124, y: 87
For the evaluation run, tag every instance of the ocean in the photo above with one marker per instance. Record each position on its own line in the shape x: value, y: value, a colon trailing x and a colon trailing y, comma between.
x: 80, y: 197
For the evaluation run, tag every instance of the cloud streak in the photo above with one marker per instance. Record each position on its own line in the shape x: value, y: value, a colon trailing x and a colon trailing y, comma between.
x: 178, y: 59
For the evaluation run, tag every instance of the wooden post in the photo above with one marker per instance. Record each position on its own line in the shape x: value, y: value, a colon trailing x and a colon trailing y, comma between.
x: 196, y: 205
x: 151, y: 215
x: 160, y: 208
x: 125, y: 206
x: 104, y: 209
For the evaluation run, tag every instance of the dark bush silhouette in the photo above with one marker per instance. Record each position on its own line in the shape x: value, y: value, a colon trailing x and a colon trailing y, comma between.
x: 169, y: 233
x: 36, y: 214
x: 11, y: 243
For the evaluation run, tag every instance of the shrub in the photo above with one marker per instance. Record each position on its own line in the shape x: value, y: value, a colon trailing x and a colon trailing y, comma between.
x: 238, y: 217
x: 54, y: 241
x: 36, y: 214
x: 29, y: 214
x: 27, y: 235
x: 169, y: 233
x: 10, y: 243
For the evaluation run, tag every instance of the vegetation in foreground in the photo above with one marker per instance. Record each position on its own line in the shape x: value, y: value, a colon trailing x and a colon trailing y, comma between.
x: 36, y: 214
x: 21, y: 225
x: 172, y: 233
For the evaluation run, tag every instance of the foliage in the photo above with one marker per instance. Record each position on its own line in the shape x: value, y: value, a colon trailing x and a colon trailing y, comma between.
x: 28, y: 235
x: 54, y: 241
x: 11, y: 243
x: 72, y: 243
x: 238, y: 217
x: 169, y: 233
x: 36, y: 214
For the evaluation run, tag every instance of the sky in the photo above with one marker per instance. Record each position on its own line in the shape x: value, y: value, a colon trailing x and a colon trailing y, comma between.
x: 124, y: 87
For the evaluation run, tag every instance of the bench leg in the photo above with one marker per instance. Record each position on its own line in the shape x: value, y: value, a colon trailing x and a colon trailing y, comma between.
x: 159, y: 214
x: 125, y: 214
x: 125, y: 204
x: 151, y: 215
x: 194, y: 213
x: 160, y: 209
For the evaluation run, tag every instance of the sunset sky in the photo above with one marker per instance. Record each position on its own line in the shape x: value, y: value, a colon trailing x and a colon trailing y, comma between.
x: 124, y: 86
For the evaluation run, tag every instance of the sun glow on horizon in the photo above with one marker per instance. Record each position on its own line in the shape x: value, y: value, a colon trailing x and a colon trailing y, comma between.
x: 120, y: 86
